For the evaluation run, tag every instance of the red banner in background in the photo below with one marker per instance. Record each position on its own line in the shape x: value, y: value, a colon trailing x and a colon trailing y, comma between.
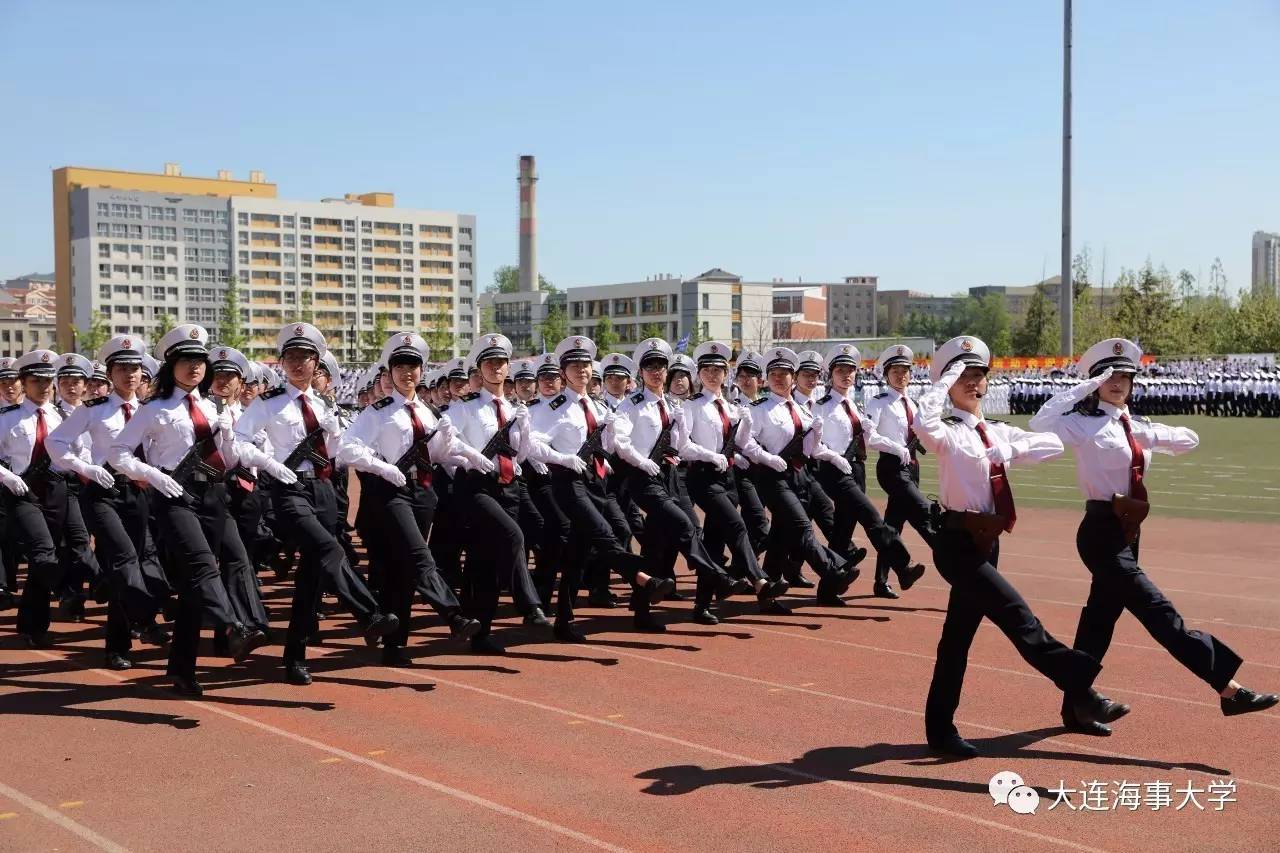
x: 1018, y: 362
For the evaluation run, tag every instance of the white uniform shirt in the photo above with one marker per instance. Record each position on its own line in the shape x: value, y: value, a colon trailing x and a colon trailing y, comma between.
x: 1101, y: 448
x: 165, y: 429
x: 889, y: 418
x: 384, y: 431
x: 476, y: 419
x: 277, y: 417
x: 99, y: 420
x: 18, y: 433
x: 837, y: 429
x: 706, y: 429
x: 639, y: 423
x: 773, y: 428
x: 560, y: 426
x: 964, y: 472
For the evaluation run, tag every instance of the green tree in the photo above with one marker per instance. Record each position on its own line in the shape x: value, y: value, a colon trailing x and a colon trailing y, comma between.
x: 1038, y: 334
x: 90, y: 340
x: 1089, y: 325
x: 306, y: 312
x: 506, y: 279
x: 164, y: 324
x: 554, y: 329
x: 371, y: 342
x: 440, y: 335
x: 989, y: 320
x: 1257, y: 324
x: 230, y: 327
x: 488, y: 322
x: 604, y: 335
x: 653, y: 330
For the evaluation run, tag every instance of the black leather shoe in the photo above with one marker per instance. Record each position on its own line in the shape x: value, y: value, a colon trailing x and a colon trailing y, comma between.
x: 953, y: 745
x: 884, y: 591
x: 6, y: 599
x: 297, y: 673
x: 801, y: 582
x: 536, y: 618
x: 463, y: 629
x: 101, y: 589
x: 154, y: 635
x: 1090, y: 727
x: 659, y: 589
x: 71, y: 607
x: 857, y: 555
x: 395, y: 656
x: 773, y: 589
x: 773, y: 607
x: 118, y: 661
x: 649, y: 624
x: 907, y: 577
x: 727, y: 586
x: 487, y: 645
x: 186, y: 685
x: 829, y: 592
x: 677, y: 595
x: 565, y: 632
x: 1246, y: 701
x: 605, y: 599
x: 242, y: 640
x: 380, y: 626
x: 703, y: 616
x: 1089, y: 707
x: 36, y: 641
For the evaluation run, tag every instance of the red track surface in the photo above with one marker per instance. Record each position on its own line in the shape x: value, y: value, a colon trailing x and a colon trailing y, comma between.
x: 763, y: 733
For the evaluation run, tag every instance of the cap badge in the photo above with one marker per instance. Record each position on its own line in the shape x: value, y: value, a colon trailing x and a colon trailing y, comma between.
x: 297, y: 330
x: 408, y: 339
x: 44, y: 357
x: 1117, y: 348
x: 846, y: 349
x: 70, y: 359
x: 577, y: 342
x: 966, y: 345
x: 653, y: 344
x: 195, y: 333
x: 128, y: 344
x: 615, y: 359
x: 715, y: 348
x: 902, y: 351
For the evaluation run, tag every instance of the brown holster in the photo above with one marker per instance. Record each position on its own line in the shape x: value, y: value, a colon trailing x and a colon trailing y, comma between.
x: 1132, y: 513
x: 983, y: 527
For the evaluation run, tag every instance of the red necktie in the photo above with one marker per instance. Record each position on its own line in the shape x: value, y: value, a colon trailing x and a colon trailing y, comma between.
x: 309, y: 421
x: 127, y: 408
x: 911, y: 434
x: 1137, y: 463
x: 725, y: 426
x: 38, y: 451
x: 591, y: 427
x: 798, y: 462
x: 245, y: 482
x: 1000, y: 489
x: 855, y: 426
x: 506, y: 468
x: 204, y: 432
x: 419, y: 433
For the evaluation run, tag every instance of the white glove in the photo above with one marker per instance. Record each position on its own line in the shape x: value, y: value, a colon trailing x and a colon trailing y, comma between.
x: 576, y: 465
x: 538, y: 466
x: 329, y: 423
x: 606, y: 419
x: 777, y: 463
x: 649, y: 467
x: 224, y: 424
x: 521, y: 412
x: 99, y: 475
x: 741, y: 462
x: 904, y: 454
x: 1087, y: 387
x: 280, y: 473
x: 720, y: 462
x: 484, y: 466
x: 164, y: 484
x: 1000, y: 454
x: 13, y: 482
x: 842, y: 464
x: 389, y: 472
x: 952, y: 373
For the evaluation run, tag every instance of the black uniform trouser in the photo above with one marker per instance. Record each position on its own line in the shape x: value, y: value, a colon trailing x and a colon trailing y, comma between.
x: 978, y: 590
x: 905, y: 505
x: 79, y: 566
x: 595, y: 538
x: 848, y: 491
x: 670, y: 530
x: 619, y: 490
x: 342, y: 530
x: 496, y: 554
x: 555, y: 536
x: 241, y: 579
x: 193, y: 537
x: 1119, y: 584
x: 447, y: 532
x: 788, y: 494
x: 752, y: 508
x: 121, y: 534
x: 401, y: 521
x: 308, y: 509
x: 8, y: 554
x: 247, y: 508
x: 35, y: 527
x: 715, y: 492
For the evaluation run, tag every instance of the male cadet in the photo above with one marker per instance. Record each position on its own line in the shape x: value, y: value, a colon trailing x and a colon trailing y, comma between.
x: 748, y: 373
x: 300, y: 431
x: 99, y: 385
x: 555, y: 524
x: 79, y: 566
x: 10, y: 394
x: 526, y: 382
x: 618, y: 370
x: 893, y: 416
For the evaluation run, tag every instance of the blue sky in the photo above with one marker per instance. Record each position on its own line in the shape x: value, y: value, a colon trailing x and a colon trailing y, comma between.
x: 917, y: 142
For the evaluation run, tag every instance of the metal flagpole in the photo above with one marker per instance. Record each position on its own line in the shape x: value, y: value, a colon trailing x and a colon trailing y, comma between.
x: 1066, y: 298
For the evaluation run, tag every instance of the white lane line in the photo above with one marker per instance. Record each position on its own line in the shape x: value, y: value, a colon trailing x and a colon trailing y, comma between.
x: 421, y: 781
x: 746, y: 759
x: 56, y: 817
x: 1068, y: 579
x: 1149, y: 569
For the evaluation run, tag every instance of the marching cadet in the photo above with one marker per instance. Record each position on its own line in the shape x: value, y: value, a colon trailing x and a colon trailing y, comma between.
x: 650, y: 432
x: 328, y: 372
x: 10, y: 394
x: 150, y: 369
x: 555, y: 524
x: 893, y: 415
x: 300, y: 431
x: 397, y: 441
x: 806, y: 379
x: 618, y: 370
x: 232, y: 372
x: 848, y: 432
x: 78, y: 562
x: 1113, y: 452
x: 116, y: 509
x: 35, y: 497
x: 977, y: 506
x: 526, y: 381
x: 186, y: 462
x: 99, y: 384
x: 596, y: 388
x: 748, y: 373
x: 488, y: 495
x: 679, y: 376
x: 718, y: 430
x: 569, y: 436
x: 787, y: 437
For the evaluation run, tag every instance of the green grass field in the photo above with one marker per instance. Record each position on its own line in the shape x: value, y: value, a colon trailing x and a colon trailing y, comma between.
x: 1233, y: 475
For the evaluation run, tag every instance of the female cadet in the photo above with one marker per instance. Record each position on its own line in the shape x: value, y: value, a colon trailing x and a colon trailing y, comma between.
x: 1113, y: 451
x: 977, y: 506
x: 179, y: 424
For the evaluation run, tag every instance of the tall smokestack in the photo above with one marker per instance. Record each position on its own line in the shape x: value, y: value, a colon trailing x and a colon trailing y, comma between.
x: 528, y: 226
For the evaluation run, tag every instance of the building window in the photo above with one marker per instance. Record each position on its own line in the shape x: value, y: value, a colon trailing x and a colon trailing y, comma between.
x: 706, y: 301
x: 104, y: 209
x: 242, y: 218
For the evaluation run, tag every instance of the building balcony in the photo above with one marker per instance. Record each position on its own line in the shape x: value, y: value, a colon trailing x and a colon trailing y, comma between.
x: 266, y: 243
x: 264, y: 220
x: 327, y: 265
x: 319, y: 225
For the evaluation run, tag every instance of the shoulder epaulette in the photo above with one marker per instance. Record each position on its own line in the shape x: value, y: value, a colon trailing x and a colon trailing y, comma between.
x: 1142, y: 419
x: 825, y: 398
x: 697, y: 396
x: 534, y: 401
x: 444, y: 408
x: 10, y: 408
x: 467, y: 398
x: 637, y: 398
x: 951, y: 419
x: 558, y: 402
x: 274, y: 392
x: 881, y: 395
x: 758, y: 402
x: 384, y: 402
x: 996, y: 421
x: 96, y: 401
